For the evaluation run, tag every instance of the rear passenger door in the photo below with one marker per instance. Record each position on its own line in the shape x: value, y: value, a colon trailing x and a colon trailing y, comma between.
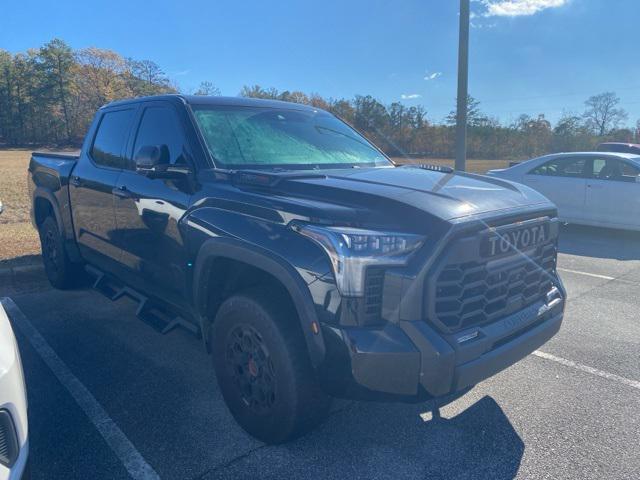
x: 563, y: 181
x: 91, y: 185
x: 613, y: 193
x: 148, y: 210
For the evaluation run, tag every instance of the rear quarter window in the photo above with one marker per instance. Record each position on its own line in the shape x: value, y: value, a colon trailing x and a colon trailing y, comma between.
x: 111, y: 137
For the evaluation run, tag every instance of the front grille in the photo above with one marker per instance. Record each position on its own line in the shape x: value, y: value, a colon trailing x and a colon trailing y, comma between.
x: 471, y: 292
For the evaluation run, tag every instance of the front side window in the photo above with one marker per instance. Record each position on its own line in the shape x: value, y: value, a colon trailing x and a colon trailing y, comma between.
x: 160, y: 126
x: 562, y: 167
x: 258, y: 137
x: 108, y: 144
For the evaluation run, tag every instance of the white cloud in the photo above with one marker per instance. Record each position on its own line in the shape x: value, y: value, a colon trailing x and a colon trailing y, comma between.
x: 410, y: 96
x: 516, y: 8
x: 181, y: 73
x: 432, y: 76
x: 482, y: 26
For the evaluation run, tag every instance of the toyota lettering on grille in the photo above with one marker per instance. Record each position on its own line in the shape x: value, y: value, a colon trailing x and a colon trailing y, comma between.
x: 517, y: 239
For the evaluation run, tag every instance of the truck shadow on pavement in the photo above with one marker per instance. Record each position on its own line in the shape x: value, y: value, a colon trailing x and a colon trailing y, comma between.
x: 366, y: 440
x: 160, y: 386
x: 599, y: 242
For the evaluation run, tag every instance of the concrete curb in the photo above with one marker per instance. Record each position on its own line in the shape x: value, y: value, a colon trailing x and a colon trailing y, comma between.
x: 35, y: 268
x: 21, y: 270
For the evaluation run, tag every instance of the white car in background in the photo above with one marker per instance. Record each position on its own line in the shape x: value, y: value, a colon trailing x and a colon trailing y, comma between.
x: 14, y: 445
x: 600, y: 189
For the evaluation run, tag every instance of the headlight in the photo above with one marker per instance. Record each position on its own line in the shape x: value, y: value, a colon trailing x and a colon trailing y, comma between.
x: 352, y: 250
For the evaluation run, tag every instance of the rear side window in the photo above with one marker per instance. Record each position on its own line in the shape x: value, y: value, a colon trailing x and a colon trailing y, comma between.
x: 562, y: 167
x: 614, y: 169
x: 629, y: 171
x: 160, y: 126
x: 111, y: 137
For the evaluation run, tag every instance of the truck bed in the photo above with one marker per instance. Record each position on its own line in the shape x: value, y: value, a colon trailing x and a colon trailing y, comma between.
x: 58, y: 165
x: 74, y: 155
x: 49, y: 174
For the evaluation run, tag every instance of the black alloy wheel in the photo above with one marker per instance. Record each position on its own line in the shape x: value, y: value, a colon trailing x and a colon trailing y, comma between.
x: 251, y: 367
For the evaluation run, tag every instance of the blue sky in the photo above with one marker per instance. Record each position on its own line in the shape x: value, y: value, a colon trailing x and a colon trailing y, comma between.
x: 527, y: 56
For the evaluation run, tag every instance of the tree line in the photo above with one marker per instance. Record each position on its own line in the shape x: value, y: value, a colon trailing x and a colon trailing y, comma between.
x: 407, y: 131
x: 49, y: 95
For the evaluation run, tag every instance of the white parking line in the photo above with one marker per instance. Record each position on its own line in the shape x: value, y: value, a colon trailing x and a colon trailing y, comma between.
x: 594, y: 275
x: 131, y: 459
x: 588, y: 369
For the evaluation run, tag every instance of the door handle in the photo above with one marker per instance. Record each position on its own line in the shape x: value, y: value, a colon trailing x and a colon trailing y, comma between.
x: 75, y: 181
x: 122, y: 192
x: 591, y: 185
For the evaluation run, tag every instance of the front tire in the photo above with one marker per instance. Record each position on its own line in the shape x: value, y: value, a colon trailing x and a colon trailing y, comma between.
x: 263, y: 369
x: 60, y: 270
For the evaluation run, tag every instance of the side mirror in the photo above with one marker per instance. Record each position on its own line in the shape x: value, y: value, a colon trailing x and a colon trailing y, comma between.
x: 152, y: 160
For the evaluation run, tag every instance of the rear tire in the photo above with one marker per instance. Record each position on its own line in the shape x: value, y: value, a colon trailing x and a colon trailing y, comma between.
x: 263, y: 368
x: 60, y: 270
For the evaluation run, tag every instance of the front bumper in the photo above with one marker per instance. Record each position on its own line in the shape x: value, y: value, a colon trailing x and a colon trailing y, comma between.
x: 410, y: 359
x: 13, y: 404
x: 20, y: 469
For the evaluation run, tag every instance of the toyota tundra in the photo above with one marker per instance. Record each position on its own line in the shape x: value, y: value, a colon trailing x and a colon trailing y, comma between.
x: 310, y: 264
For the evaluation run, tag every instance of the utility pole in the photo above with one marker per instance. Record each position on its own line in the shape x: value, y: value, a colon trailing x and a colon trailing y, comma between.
x: 463, y: 87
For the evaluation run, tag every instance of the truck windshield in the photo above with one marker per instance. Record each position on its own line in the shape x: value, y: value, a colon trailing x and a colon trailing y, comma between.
x: 258, y: 137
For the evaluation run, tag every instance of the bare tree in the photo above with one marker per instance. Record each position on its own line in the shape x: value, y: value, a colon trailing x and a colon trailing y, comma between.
x: 100, y: 76
x: 207, y: 88
x: 602, y: 114
x: 256, y: 91
x: 144, y: 77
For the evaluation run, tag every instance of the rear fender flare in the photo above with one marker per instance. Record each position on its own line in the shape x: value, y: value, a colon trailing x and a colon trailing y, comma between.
x: 66, y: 230
x: 49, y: 197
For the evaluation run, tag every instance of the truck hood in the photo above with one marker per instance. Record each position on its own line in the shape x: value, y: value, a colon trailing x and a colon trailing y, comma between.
x: 446, y: 195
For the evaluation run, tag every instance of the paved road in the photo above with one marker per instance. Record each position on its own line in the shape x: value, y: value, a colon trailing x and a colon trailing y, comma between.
x: 108, y: 395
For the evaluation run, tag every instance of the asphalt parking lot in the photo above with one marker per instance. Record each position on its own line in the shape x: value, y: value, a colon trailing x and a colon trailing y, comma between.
x: 110, y: 397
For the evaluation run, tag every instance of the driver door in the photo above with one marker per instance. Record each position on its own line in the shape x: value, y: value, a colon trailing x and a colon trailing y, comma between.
x: 148, y: 210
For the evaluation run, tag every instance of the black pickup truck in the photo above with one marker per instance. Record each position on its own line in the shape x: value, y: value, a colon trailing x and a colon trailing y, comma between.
x: 309, y: 263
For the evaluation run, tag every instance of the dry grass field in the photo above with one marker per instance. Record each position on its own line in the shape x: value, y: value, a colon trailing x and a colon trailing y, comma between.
x: 17, y: 236
x: 19, y: 239
x: 473, y: 166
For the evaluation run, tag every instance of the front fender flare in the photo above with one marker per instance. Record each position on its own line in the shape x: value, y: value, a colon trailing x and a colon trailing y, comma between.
x: 258, y: 257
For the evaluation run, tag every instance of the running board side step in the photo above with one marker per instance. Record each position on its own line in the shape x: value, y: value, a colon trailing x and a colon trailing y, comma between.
x: 150, y: 313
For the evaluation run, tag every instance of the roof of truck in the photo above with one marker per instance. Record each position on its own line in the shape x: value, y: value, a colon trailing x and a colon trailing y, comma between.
x: 220, y: 101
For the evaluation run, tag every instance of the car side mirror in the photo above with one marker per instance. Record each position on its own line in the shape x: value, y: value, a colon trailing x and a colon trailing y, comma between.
x: 152, y: 160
